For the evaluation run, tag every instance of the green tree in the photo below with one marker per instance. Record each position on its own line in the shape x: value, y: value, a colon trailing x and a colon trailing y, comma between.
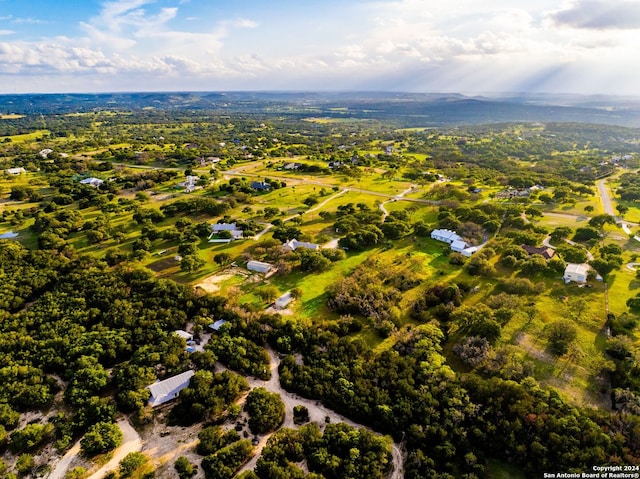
x: 222, y: 258
x: 101, y: 437
x: 131, y: 463
x: 266, y: 410
x: 560, y: 335
x: 184, y: 468
x: 191, y: 263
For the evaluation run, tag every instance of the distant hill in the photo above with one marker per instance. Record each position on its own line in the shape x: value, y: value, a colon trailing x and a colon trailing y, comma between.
x: 404, y: 109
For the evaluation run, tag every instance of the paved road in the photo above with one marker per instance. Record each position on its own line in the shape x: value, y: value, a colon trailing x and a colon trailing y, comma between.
x: 605, y: 198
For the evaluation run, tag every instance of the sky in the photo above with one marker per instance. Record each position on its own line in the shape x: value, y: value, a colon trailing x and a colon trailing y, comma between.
x: 464, y: 46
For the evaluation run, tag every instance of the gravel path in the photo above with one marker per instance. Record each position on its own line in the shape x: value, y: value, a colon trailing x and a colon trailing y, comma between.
x: 131, y: 442
x: 317, y: 413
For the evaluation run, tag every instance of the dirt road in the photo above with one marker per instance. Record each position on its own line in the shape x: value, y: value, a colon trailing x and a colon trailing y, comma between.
x: 317, y: 413
x: 131, y: 442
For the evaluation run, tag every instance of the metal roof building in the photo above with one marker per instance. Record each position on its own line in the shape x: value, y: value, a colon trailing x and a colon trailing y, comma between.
x: 168, y: 390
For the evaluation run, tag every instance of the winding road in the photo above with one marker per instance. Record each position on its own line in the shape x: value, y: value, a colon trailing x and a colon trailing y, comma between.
x: 317, y: 413
x: 131, y: 442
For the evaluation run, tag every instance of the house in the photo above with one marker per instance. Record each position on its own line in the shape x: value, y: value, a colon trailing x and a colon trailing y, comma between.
x: 446, y: 236
x: 459, y: 246
x: 259, y: 266
x: 15, y: 171
x: 576, y: 272
x: 283, y: 301
x: 230, y: 227
x: 469, y: 251
x: 183, y: 334
x: 545, y: 252
x: 292, y: 166
x: 215, y: 326
x: 293, y: 244
x: 169, y: 389
x: 190, y: 183
x: 260, y: 185
x: 44, y: 153
x: 95, y: 182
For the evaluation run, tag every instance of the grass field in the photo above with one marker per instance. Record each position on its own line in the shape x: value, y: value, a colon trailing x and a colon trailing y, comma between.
x: 25, y: 138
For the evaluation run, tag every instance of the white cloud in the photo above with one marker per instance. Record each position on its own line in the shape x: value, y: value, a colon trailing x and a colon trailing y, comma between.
x: 599, y: 15
x: 399, y: 44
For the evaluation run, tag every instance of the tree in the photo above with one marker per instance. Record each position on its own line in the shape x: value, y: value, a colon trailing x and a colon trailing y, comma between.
x: 560, y: 335
x: 266, y: 410
x: 25, y: 463
x: 599, y: 221
x: 131, y: 463
x: 622, y: 209
x: 222, y: 258
x: 267, y: 293
x: 191, y: 263
x: 300, y: 414
x: 101, y: 437
x: 30, y: 437
x: 585, y: 234
x: 184, y: 468
x: 310, y: 201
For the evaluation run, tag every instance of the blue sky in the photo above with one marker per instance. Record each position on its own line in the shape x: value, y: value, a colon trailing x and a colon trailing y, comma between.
x: 466, y: 46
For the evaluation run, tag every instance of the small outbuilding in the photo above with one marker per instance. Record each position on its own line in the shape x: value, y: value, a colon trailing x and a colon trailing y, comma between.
x: 260, y: 185
x: 15, y: 171
x: 283, y: 301
x: 183, y: 334
x: 216, y: 325
x: 544, y: 251
x: 259, y: 266
x: 576, y: 272
x: 469, y: 251
x: 294, y: 244
x: 95, y: 182
x: 169, y: 389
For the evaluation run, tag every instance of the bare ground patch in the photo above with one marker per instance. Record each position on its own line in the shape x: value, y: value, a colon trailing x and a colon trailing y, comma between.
x: 213, y: 283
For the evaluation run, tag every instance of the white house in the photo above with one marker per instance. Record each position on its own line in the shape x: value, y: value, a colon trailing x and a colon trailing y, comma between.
x: 183, y: 334
x: 458, y: 246
x: 169, y: 389
x: 283, y: 301
x: 95, y: 182
x: 44, y: 153
x: 230, y: 227
x: 446, y: 236
x: 469, y: 251
x: 190, y: 183
x: 15, y: 171
x: 293, y: 244
x: 259, y: 266
x: 576, y: 272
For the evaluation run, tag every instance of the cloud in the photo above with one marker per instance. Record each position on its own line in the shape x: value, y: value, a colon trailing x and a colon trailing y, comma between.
x: 28, y: 20
x: 7, y: 32
x: 599, y: 15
